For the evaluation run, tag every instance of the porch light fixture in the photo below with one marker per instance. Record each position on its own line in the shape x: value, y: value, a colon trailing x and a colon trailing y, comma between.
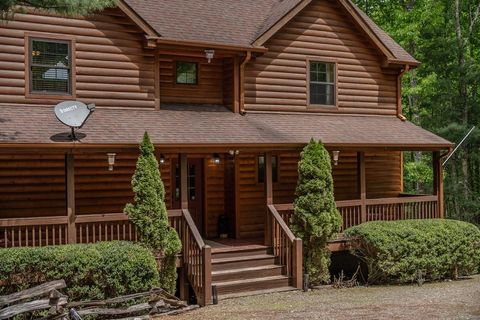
x: 209, y: 53
x: 111, y: 160
x: 233, y: 152
x: 335, y: 153
x: 162, y: 159
x: 216, y: 158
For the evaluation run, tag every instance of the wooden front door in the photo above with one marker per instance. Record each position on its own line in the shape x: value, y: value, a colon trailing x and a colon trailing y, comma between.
x: 194, y: 189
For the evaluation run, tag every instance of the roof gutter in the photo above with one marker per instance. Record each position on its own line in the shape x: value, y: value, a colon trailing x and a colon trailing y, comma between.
x: 242, y: 82
x: 399, y: 92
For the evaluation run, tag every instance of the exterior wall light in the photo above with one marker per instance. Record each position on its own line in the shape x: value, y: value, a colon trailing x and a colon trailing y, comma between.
x: 216, y: 158
x: 111, y: 160
x: 162, y: 159
x: 335, y: 157
x: 209, y: 53
x: 233, y: 152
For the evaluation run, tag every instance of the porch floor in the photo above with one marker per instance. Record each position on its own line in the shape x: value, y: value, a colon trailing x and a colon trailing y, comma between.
x: 228, y: 244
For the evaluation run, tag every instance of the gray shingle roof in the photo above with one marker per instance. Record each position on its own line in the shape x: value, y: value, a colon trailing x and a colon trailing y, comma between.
x: 212, y: 126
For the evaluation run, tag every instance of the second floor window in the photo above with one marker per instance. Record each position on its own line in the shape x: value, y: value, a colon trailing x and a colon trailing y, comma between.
x: 50, y: 66
x: 322, y: 83
x: 186, y: 72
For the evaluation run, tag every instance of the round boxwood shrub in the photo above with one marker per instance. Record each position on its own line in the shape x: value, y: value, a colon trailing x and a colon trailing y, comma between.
x: 400, y: 251
x: 91, y: 271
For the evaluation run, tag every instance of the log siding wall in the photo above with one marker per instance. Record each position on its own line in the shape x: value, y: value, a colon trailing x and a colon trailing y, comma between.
x: 112, y: 68
x: 277, y: 81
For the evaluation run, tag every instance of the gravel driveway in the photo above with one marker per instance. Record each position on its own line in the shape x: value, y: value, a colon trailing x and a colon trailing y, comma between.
x: 442, y: 300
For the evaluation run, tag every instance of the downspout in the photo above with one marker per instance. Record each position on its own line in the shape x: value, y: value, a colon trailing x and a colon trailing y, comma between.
x: 242, y: 82
x: 399, y: 92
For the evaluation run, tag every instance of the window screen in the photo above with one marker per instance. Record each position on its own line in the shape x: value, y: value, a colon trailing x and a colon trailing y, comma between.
x: 186, y: 72
x: 50, y: 66
x: 322, y: 83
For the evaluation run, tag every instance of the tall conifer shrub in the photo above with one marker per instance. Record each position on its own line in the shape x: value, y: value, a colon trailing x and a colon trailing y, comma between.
x: 316, y: 219
x: 149, y: 213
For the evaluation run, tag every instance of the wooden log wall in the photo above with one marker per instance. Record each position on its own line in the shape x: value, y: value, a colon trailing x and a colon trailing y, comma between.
x: 278, y: 79
x: 32, y: 185
x: 214, y: 195
x: 251, y: 201
x: 228, y: 83
x: 112, y: 68
x: 383, y: 174
x: 99, y: 190
x: 209, y: 87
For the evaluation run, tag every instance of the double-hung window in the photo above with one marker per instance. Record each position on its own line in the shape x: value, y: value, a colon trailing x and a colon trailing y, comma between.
x: 50, y: 66
x: 186, y: 72
x: 322, y: 83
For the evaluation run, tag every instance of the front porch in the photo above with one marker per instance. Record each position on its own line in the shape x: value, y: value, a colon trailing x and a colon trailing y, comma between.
x: 252, y: 189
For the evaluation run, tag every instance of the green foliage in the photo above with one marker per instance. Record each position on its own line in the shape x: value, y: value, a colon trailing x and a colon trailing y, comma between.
x: 64, y: 7
x: 443, y: 93
x: 316, y: 219
x: 418, y: 173
x: 149, y: 213
x: 91, y: 271
x: 398, y: 250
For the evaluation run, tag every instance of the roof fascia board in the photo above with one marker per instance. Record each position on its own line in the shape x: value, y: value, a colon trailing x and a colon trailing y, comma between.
x: 260, y: 41
x: 213, y: 45
x: 139, y: 21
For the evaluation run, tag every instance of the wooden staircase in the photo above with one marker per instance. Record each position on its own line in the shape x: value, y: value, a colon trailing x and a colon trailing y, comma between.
x: 247, y: 270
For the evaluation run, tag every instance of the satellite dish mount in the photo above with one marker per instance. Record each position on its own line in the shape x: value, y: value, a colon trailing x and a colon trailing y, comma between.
x: 73, y: 114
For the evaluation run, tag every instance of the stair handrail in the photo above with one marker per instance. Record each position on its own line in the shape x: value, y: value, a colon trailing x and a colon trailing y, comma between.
x: 197, y: 259
x: 286, y: 247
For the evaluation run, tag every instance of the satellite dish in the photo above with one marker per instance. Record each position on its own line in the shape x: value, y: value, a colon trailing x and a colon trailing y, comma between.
x: 73, y: 114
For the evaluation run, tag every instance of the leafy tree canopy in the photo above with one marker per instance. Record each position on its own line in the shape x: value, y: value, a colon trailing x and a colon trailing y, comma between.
x: 64, y: 7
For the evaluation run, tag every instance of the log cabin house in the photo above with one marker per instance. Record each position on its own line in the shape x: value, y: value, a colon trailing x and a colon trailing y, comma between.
x: 229, y: 91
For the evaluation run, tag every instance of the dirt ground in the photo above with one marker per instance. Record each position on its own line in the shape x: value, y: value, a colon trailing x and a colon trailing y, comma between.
x: 442, y: 300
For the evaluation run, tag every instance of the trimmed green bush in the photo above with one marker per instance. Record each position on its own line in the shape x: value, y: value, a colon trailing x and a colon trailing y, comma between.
x: 397, y: 251
x: 316, y: 219
x: 149, y: 213
x: 91, y: 271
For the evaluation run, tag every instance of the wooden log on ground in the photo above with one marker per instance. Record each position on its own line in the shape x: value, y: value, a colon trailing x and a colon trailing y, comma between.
x: 135, y: 309
x: 31, y: 306
x: 37, y: 291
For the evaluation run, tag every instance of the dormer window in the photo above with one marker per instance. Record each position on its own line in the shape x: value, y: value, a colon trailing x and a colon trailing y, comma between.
x: 322, y: 83
x: 186, y: 72
x: 50, y: 66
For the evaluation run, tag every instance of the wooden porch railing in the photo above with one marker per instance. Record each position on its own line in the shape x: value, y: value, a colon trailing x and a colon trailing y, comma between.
x: 385, y: 209
x: 286, y: 247
x: 197, y: 259
x: 43, y: 231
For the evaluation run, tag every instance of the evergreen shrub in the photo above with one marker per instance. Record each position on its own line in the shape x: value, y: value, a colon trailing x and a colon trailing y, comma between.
x: 91, y: 271
x: 400, y: 251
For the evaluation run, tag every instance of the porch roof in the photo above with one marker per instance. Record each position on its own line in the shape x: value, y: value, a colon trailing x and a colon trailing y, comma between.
x: 22, y: 126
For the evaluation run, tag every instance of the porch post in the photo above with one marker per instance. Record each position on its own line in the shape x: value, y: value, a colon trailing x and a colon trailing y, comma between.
x: 363, y: 185
x: 70, y: 186
x: 183, y: 181
x: 269, y: 196
x: 438, y: 183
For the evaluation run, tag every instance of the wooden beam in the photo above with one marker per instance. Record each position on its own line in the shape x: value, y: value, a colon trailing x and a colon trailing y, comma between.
x: 236, y: 84
x: 207, y: 275
x: 70, y: 189
x: 268, y: 178
x: 184, y: 181
x: 363, y: 185
x: 269, y: 197
x: 438, y: 182
x: 157, y: 79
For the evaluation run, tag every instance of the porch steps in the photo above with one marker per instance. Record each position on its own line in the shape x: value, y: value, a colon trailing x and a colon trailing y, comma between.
x: 242, y: 271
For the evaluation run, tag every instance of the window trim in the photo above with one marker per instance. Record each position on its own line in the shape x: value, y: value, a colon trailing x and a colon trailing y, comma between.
x: 197, y: 74
x: 257, y: 167
x: 318, y: 107
x: 29, y: 37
